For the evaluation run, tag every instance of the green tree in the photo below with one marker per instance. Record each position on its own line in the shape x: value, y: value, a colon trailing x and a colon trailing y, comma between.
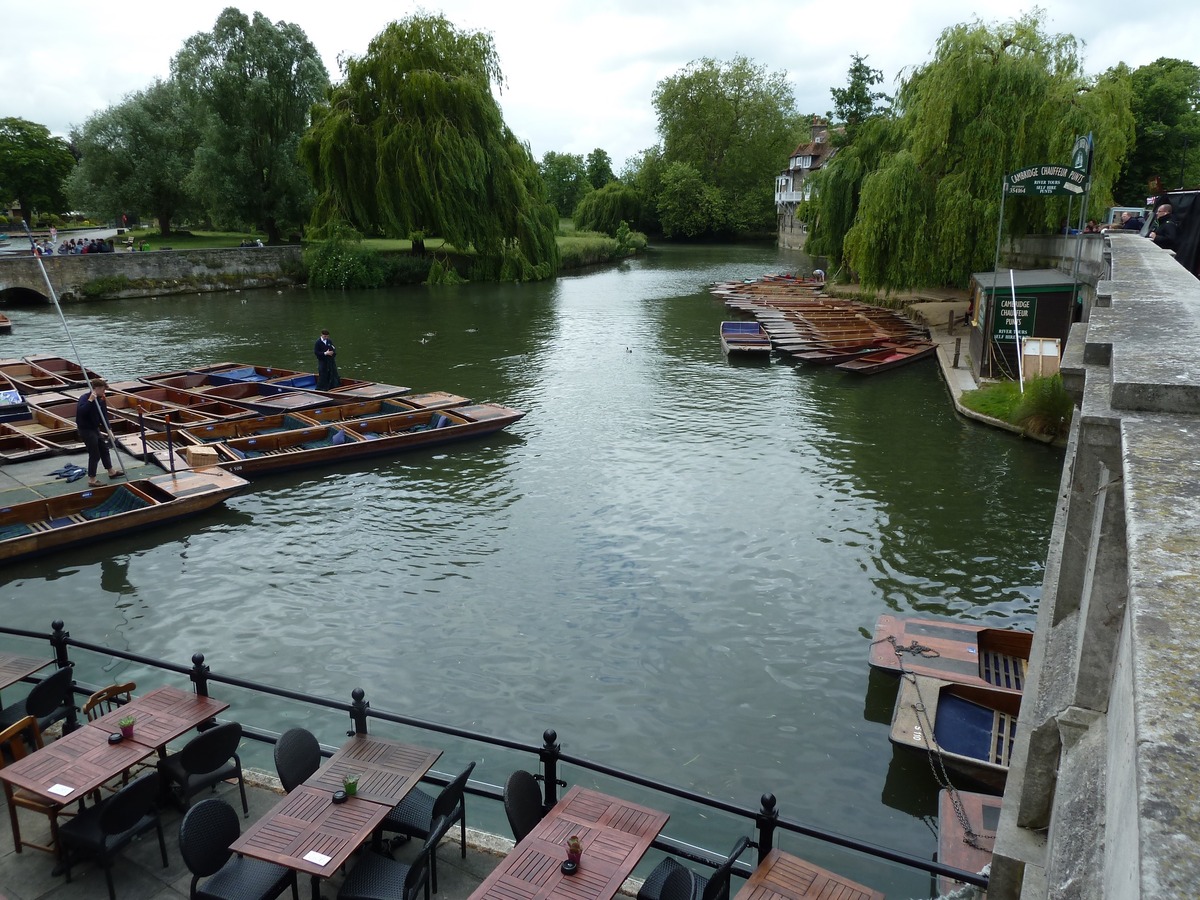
x: 566, y: 180
x: 1166, y: 116
x: 688, y: 206
x: 856, y: 102
x: 33, y: 165
x: 137, y: 155
x: 644, y: 174
x: 257, y: 82
x: 733, y: 124
x: 992, y: 100
x: 599, y: 168
x: 413, y: 140
x: 607, y: 209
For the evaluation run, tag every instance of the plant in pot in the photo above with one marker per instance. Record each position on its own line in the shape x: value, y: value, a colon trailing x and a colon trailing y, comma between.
x: 350, y: 784
x: 126, y: 726
x: 574, y: 850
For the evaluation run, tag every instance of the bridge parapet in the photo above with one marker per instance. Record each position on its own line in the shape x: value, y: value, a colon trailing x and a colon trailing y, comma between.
x: 153, y: 273
x: 1103, y: 797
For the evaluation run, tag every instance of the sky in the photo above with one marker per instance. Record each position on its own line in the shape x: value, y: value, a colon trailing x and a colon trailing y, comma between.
x: 580, y: 74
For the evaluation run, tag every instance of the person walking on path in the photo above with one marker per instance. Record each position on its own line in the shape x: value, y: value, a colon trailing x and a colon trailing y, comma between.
x: 327, y: 372
x: 91, y: 417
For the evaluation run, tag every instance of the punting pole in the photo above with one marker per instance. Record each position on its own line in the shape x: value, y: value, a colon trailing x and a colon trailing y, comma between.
x: 75, y: 350
x: 1017, y: 331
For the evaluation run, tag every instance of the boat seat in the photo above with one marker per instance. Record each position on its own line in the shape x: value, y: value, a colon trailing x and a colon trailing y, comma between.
x: 17, y: 529
x: 1003, y: 671
x: 119, y: 501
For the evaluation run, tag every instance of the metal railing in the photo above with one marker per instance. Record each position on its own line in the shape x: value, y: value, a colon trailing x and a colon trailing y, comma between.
x: 766, y: 819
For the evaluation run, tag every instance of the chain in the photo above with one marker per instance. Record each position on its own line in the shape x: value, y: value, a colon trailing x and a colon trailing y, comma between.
x: 915, y: 648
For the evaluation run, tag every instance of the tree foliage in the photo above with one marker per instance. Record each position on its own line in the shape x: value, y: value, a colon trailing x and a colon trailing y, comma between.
x: 644, y: 174
x: 566, y: 180
x: 731, y: 124
x: 688, y: 206
x: 413, y: 140
x: 993, y: 100
x: 856, y: 102
x: 1166, y: 115
x: 599, y: 169
x: 33, y: 165
x: 258, y: 82
x: 607, y: 209
x: 137, y: 156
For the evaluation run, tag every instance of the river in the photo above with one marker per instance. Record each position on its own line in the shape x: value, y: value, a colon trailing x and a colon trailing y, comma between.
x: 674, y: 561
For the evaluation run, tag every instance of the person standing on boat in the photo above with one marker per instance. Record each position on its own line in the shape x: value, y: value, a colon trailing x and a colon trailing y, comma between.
x: 91, y: 416
x: 327, y: 372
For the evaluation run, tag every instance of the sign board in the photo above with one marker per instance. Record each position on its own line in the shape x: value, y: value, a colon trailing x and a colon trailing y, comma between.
x: 1081, y: 155
x: 1046, y: 181
x: 1003, y: 321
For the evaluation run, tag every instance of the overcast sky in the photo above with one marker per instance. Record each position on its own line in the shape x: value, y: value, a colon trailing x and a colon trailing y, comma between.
x: 580, y: 73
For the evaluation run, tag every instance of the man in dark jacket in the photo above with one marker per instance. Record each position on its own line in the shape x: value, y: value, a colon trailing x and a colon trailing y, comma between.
x: 91, y: 415
x: 327, y: 372
x: 1164, y: 230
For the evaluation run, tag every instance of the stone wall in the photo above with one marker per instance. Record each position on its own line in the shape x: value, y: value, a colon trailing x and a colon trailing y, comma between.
x: 792, y: 233
x: 1103, y: 796
x: 157, y: 272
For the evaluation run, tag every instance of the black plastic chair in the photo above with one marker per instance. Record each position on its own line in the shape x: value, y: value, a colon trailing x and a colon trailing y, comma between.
x: 714, y: 887
x: 205, y: 833
x: 105, y: 828
x: 207, y: 759
x: 297, y: 756
x: 522, y: 803
x: 416, y: 814
x: 378, y: 877
x: 48, y: 701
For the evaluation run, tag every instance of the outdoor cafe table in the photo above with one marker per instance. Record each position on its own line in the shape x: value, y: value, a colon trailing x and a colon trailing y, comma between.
x: 73, y: 766
x: 308, y: 832
x: 161, y: 715
x: 13, y: 668
x: 614, y: 833
x: 782, y: 876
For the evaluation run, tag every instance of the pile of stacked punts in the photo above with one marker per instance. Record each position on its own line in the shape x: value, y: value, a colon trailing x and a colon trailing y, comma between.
x: 959, y: 696
x: 225, y: 422
x: 798, y: 320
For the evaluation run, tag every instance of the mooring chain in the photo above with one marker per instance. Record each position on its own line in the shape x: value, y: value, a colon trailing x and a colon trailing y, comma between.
x: 915, y: 648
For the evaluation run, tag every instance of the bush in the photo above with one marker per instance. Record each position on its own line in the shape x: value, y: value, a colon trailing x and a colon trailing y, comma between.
x: 1045, y: 407
x: 341, y: 261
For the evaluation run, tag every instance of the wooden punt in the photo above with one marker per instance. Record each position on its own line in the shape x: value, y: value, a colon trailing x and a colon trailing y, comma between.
x: 17, y: 446
x: 250, y: 427
x: 971, y: 729
x: 30, y: 380
x: 326, y: 444
x: 12, y: 401
x: 261, y: 396
x: 5, y: 324
x: 40, y: 526
x: 744, y: 339
x: 884, y: 360
x: 349, y: 387
x: 955, y: 651
x: 61, y: 367
x: 289, y: 379
x: 367, y: 409
x: 125, y: 407
x: 982, y: 812
x: 208, y: 406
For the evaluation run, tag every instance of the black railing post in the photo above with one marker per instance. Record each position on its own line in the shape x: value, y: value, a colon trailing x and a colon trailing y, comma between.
x: 549, y: 756
x: 358, y: 712
x: 200, y: 674
x: 767, y: 818
x: 58, y: 640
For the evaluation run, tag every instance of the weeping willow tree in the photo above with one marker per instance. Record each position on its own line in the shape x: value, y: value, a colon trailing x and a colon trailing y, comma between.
x: 413, y: 142
x: 993, y: 100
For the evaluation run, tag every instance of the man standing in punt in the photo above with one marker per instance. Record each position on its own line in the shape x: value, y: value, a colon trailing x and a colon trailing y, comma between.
x: 91, y: 416
x: 327, y: 373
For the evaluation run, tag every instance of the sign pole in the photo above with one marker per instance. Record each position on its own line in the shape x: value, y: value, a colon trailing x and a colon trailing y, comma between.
x: 1017, y: 331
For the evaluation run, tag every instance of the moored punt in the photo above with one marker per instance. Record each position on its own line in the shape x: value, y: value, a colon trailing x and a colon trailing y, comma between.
x: 367, y: 409
x: 17, y: 446
x: 248, y: 427
x: 954, y: 651
x: 288, y: 379
x: 5, y: 324
x: 832, y: 356
x: 208, y: 406
x: 12, y: 401
x: 261, y: 396
x: 982, y: 814
x: 348, y: 387
x: 40, y: 526
x: 29, y: 380
x: 970, y: 729
x: 122, y: 406
x: 324, y: 444
x: 891, y: 358
x: 70, y: 372
x: 745, y: 338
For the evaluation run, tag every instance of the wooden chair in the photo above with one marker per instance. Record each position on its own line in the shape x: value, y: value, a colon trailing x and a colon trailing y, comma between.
x: 15, y: 744
x: 107, y: 699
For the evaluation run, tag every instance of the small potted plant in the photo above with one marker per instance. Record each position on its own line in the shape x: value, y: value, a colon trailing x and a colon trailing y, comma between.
x: 350, y: 784
x: 126, y: 726
x: 574, y: 852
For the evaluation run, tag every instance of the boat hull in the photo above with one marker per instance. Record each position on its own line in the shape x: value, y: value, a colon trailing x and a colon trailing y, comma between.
x: 954, y: 651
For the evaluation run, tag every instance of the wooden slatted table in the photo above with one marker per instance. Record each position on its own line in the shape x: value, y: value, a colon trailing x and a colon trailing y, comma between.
x: 74, y: 765
x: 13, y: 668
x: 387, y: 769
x: 782, y: 876
x: 161, y: 715
x: 615, y: 834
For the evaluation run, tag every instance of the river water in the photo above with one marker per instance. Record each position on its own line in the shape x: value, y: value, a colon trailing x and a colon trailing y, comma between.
x: 674, y: 561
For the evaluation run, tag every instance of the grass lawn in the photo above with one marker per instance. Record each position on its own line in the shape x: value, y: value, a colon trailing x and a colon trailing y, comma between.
x: 193, y: 240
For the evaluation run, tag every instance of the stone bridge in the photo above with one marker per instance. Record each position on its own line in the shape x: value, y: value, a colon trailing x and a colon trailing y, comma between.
x: 108, y: 276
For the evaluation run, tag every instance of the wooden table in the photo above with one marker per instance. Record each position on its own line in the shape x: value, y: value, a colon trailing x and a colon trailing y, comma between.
x: 308, y: 832
x: 162, y: 715
x: 13, y: 668
x: 615, y: 834
x: 782, y: 876
x: 73, y: 766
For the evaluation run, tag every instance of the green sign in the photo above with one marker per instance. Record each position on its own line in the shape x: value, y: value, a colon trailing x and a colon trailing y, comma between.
x: 1046, y: 181
x: 1081, y: 154
x: 1003, y: 319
